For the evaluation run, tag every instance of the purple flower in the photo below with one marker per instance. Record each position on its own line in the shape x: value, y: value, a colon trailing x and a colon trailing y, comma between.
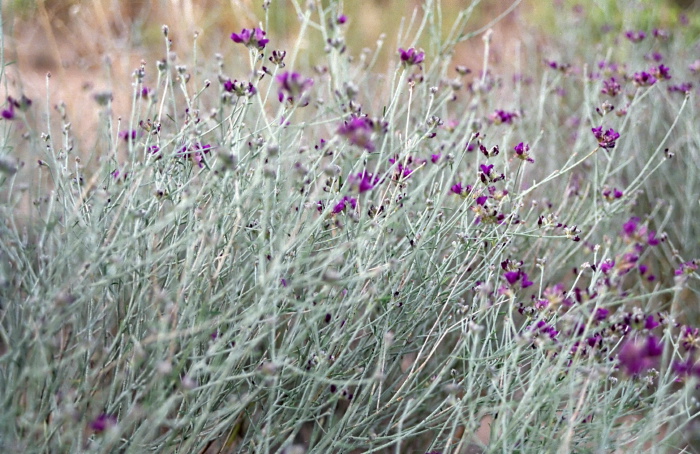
x: 601, y: 314
x: 612, y: 194
x: 411, y: 56
x: 654, y: 56
x: 650, y: 323
x: 630, y: 227
x: 661, y: 72
x: 643, y: 79
x: 607, y: 266
x: 545, y: 328
x: 681, y: 88
x: 434, y: 158
x: 254, y: 37
x: 687, y: 367
x: 341, y: 19
x: 195, y: 152
x: 605, y: 139
x: 292, y: 85
x: 128, y: 136
x: 563, y: 67
x: 457, y: 188
x: 359, y: 132
x: 12, y: 104
x: 690, y: 337
x: 638, y: 356
x: 486, y: 169
x: 9, y: 113
x: 633, y: 232
x: 521, y: 151
x: 340, y: 206
x: 611, y: 87
x: 501, y: 116
x: 660, y: 33
x: 240, y: 88
x: 103, y: 422
x: 512, y: 276
x: 686, y: 268
x: 364, y: 181
x: 517, y: 275
x: 635, y: 36
x: 694, y: 67
x: 487, y: 174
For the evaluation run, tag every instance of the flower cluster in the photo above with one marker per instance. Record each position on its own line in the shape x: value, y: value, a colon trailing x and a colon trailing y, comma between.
x: 635, y: 35
x: 344, y: 202
x: 501, y: 116
x: 611, y: 87
x: 364, y: 181
x: 253, y: 38
x: 293, y: 86
x: 195, y: 152
x: 358, y: 131
x: 605, y: 139
x: 411, y: 56
x: 639, y: 355
x: 522, y: 152
x: 22, y: 104
x: 239, y: 88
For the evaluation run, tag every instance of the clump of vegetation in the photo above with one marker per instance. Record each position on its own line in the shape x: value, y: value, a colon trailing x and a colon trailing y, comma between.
x: 328, y: 259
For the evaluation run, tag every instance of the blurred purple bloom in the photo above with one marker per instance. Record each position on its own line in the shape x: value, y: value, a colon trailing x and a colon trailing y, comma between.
x: 359, y: 132
x: 661, y: 72
x: 650, y: 323
x: 687, y: 268
x: 660, y: 33
x: 681, y: 88
x: 643, y: 79
x: 23, y: 104
x: 292, y: 85
x: 411, y: 56
x: 607, y: 266
x: 694, y: 67
x: 611, y: 87
x: 341, y: 19
x: 9, y: 113
x: 612, y: 194
x: 103, y: 422
x: 512, y: 276
x: 340, y: 206
x: 635, y: 36
x: 434, y: 158
x: 254, y: 37
x: 457, y: 188
x: 601, y: 314
x: 128, y: 136
x: 364, y: 181
x: 501, y: 116
x: 637, y: 356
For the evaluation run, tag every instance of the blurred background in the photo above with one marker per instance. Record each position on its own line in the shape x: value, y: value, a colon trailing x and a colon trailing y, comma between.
x: 89, y: 46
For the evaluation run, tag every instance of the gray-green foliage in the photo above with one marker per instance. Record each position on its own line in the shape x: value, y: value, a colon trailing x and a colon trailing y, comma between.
x: 227, y: 306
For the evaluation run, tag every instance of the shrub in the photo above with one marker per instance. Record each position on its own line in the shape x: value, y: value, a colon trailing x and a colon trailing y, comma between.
x: 333, y: 260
